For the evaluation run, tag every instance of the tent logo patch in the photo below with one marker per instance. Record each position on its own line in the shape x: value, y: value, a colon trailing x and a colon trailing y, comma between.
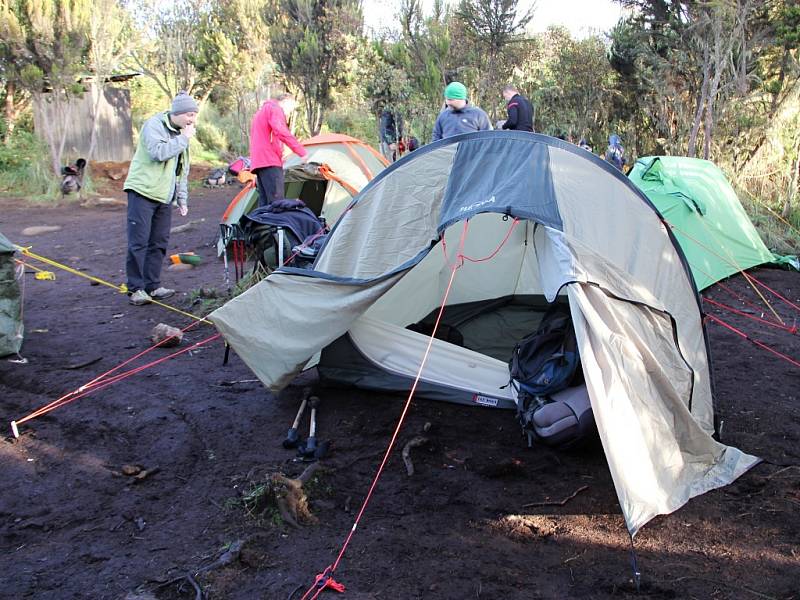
x: 476, y: 205
x: 484, y: 400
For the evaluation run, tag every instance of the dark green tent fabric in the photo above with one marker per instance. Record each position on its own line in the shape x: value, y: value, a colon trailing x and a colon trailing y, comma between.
x: 11, y: 327
x: 712, y: 228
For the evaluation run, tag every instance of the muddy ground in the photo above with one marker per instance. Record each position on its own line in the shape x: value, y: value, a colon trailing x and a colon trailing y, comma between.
x: 72, y: 525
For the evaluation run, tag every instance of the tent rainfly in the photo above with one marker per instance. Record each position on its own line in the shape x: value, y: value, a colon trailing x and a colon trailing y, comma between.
x: 552, y: 222
x: 712, y: 228
x: 11, y: 327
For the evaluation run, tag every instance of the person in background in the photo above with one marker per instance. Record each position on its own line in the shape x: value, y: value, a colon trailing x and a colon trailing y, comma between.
x: 520, y: 111
x: 585, y: 145
x: 157, y: 179
x: 268, y: 134
x: 391, y: 126
x: 615, y: 153
x: 459, y: 116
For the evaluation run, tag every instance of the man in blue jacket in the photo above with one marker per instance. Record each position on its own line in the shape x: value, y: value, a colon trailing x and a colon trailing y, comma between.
x: 459, y: 116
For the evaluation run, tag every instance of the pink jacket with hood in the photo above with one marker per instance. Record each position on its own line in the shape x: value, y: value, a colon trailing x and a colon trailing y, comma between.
x: 268, y: 134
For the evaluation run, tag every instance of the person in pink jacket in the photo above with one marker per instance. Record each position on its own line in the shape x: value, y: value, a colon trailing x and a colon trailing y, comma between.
x: 268, y: 133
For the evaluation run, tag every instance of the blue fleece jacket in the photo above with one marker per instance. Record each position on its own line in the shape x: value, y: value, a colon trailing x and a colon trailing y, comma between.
x: 452, y: 122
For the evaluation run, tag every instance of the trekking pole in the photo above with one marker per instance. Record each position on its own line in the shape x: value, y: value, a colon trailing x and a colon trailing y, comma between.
x: 311, y: 442
x: 292, y: 437
x: 308, y: 450
x: 225, y: 239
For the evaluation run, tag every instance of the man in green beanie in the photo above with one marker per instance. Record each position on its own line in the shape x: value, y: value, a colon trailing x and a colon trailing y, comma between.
x: 157, y: 179
x: 458, y: 116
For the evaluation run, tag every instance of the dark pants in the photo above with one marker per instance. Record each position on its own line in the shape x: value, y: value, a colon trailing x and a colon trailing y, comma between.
x: 148, y: 235
x: 270, y: 184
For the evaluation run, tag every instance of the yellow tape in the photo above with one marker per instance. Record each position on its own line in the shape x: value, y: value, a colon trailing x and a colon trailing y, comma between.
x: 44, y: 275
x: 122, y: 288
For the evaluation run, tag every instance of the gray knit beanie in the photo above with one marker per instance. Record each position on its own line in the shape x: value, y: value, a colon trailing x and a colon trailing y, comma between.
x: 183, y: 103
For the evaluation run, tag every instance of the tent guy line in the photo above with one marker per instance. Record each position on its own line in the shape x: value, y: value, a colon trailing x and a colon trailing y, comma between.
x: 325, y: 579
x: 729, y: 262
x: 792, y: 329
x: 75, y: 395
x: 122, y: 289
x: 754, y: 341
x: 739, y: 297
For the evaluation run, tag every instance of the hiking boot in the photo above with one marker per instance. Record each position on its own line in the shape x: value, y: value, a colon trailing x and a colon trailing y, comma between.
x: 140, y: 297
x: 161, y: 293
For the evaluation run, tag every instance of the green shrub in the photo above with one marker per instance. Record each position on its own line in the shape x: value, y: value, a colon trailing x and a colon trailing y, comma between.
x: 360, y: 125
x: 146, y: 100
x: 236, y: 129
x: 210, y: 136
x: 25, y: 169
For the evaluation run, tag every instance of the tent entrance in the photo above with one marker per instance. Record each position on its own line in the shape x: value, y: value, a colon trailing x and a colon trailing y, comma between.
x: 377, y: 355
x: 310, y: 191
x: 492, y: 304
x: 490, y: 327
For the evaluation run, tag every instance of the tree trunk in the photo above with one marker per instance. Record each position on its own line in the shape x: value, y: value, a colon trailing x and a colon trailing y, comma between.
x: 781, y: 77
x: 709, y: 129
x: 62, y: 110
x: 791, y: 192
x: 318, y: 120
x: 100, y: 92
x: 701, y: 103
x: 721, y: 52
x: 49, y: 131
x: 11, y: 110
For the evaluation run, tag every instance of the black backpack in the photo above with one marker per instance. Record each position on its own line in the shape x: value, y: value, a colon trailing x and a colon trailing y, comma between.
x: 546, y: 361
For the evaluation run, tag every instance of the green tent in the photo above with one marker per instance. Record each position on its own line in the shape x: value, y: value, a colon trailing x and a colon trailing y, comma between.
x: 706, y: 217
x: 11, y: 327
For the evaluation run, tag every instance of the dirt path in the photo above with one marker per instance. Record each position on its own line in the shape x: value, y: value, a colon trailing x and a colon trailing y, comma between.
x: 73, y: 526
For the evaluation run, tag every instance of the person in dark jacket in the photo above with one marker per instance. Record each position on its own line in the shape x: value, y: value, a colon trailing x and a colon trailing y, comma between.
x: 391, y: 133
x: 520, y: 111
x: 459, y: 116
x: 615, y: 153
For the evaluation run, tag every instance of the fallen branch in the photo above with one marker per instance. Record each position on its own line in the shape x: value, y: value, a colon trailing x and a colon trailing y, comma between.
x: 716, y: 582
x: 83, y: 364
x: 413, y: 443
x: 198, y: 593
x: 226, y: 558
x: 347, y: 465
x: 186, y: 226
x: 560, y: 502
x: 776, y: 473
x: 234, y: 382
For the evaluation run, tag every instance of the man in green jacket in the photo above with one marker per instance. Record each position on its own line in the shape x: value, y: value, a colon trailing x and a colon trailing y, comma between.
x: 158, y: 177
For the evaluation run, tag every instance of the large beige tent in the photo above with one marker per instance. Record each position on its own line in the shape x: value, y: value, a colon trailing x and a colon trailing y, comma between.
x: 539, y: 220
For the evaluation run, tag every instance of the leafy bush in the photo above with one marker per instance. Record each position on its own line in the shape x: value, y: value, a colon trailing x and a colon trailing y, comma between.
x: 25, y: 166
x: 146, y: 100
x: 235, y: 127
x: 210, y: 136
x: 360, y: 125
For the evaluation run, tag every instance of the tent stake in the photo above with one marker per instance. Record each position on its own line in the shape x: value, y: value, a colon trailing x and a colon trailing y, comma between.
x: 637, y: 575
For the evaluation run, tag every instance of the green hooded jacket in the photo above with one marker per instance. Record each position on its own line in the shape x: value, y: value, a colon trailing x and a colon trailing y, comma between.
x: 153, y: 168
